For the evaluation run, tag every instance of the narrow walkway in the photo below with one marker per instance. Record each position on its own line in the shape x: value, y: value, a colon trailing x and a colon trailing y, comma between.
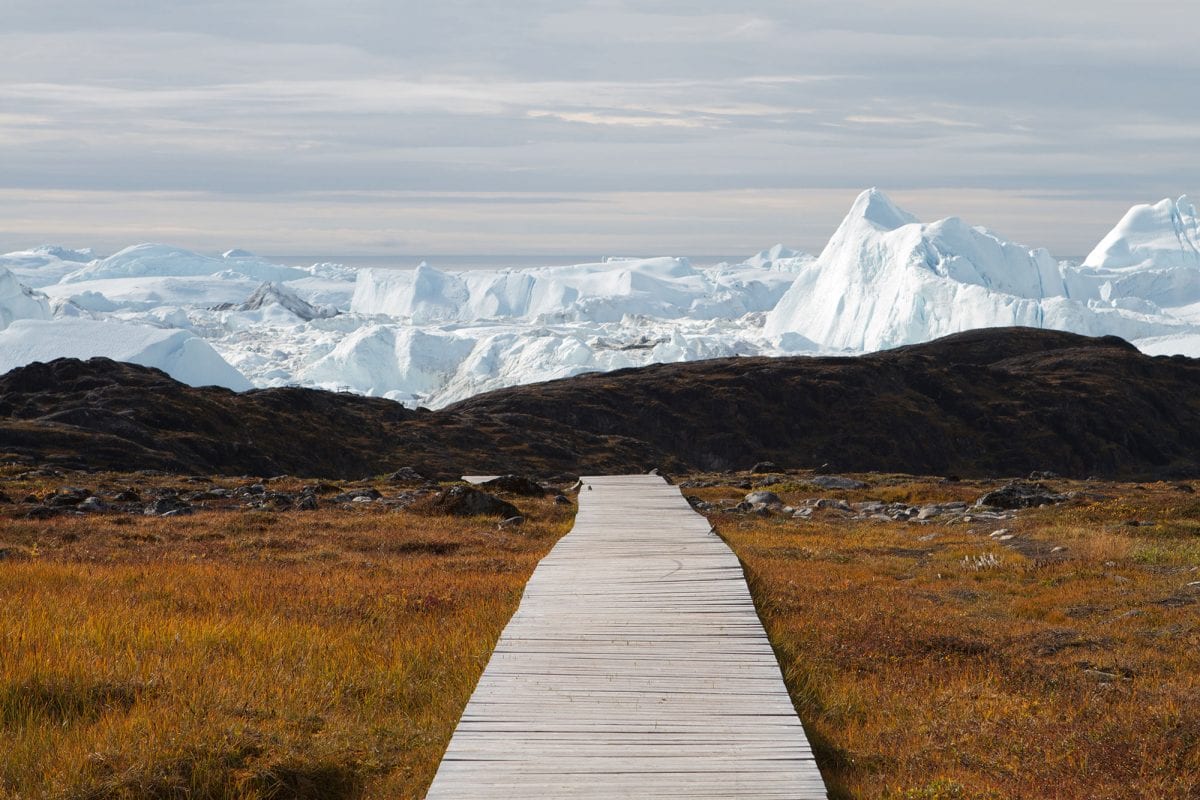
x: 635, y: 667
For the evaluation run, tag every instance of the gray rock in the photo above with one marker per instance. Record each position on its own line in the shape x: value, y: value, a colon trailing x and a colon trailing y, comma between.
x: 1020, y: 494
x: 68, y: 496
x: 764, y: 498
x: 406, y: 475
x: 516, y: 484
x: 168, y: 506
x: 835, y: 482
x: 562, y: 500
x: 355, y: 495
x: 763, y: 466
x: 511, y: 522
x: 92, y: 505
x: 466, y: 501
x: 836, y: 505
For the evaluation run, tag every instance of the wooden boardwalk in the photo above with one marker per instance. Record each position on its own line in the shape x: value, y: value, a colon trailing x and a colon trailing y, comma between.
x: 635, y: 667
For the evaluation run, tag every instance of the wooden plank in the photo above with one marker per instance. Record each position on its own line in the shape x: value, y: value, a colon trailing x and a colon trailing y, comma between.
x: 635, y: 667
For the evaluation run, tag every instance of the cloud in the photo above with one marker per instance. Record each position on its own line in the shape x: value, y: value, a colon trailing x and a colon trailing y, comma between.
x: 1027, y: 103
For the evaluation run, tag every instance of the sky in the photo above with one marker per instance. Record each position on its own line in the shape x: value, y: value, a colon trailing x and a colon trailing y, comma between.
x: 684, y: 127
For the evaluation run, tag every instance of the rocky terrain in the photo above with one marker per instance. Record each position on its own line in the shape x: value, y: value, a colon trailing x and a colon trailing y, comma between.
x: 982, y: 403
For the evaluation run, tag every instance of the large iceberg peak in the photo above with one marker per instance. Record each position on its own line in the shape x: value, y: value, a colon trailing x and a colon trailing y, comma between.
x: 886, y: 279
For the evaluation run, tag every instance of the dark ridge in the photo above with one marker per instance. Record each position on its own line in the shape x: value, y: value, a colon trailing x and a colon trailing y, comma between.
x: 986, y: 402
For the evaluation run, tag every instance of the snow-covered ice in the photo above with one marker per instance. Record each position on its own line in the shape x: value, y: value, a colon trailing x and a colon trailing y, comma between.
x: 18, y: 301
x: 427, y: 336
x: 181, y: 355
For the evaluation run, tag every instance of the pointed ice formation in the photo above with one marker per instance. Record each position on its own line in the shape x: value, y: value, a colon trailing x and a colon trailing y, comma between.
x: 271, y: 296
x: 886, y: 279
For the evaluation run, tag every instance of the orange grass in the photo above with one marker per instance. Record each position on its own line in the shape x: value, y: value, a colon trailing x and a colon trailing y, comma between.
x: 238, y: 654
x: 918, y: 676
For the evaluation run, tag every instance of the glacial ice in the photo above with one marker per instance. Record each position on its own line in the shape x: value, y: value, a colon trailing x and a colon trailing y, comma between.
x: 180, y: 354
x: 428, y: 336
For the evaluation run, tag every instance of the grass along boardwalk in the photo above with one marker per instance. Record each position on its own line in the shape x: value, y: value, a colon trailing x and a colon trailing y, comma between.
x: 635, y: 667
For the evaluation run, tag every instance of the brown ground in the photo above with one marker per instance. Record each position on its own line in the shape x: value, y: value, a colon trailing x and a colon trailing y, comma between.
x: 244, y: 653
x: 924, y: 668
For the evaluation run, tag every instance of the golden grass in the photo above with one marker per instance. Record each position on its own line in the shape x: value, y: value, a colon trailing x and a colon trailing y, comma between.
x: 923, y: 668
x: 238, y: 654
x: 245, y: 654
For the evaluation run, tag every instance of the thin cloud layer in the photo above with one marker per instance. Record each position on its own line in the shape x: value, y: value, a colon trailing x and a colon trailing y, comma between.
x: 634, y: 111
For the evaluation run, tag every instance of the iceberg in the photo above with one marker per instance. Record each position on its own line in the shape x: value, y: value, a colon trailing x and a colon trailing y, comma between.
x: 886, y: 279
x: 180, y: 354
x: 663, y: 288
x: 18, y: 301
x: 164, y: 261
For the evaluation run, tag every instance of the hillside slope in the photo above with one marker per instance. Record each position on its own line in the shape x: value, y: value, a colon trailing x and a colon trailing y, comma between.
x: 997, y: 401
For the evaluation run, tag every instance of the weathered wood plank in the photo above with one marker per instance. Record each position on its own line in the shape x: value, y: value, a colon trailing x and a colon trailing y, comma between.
x: 635, y: 667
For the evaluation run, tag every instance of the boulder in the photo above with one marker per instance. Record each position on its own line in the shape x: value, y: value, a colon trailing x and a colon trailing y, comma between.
x: 1020, y: 494
x: 169, y: 506
x: 467, y: 501
x: 835, y: 482
x: 406, y: 475
x: 93, y: 504
x: 763, y: 498
x: 516, y: 484
x: 358, y: 496
x: 68, y: 496
x: 763, y: 467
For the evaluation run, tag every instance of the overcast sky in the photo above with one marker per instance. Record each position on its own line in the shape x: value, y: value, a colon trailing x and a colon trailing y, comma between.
x: 528, y: 126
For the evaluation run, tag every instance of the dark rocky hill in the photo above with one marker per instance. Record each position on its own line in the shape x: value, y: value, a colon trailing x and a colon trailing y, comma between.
x: 987, y: 402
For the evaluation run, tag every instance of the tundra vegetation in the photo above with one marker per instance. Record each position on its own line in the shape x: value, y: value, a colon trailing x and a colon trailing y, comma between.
x: 241, y: 652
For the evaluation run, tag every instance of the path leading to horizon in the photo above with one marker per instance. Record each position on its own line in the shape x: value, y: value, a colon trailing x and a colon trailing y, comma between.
x: 635, y: 667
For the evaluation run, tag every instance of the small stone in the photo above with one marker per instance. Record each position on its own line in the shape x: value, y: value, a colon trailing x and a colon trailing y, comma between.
x: 562, y: 500
x: 763, y: 467
x: 511, y: 522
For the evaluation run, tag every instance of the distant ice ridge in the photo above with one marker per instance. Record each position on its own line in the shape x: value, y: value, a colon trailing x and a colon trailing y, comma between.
x: 164, y: 261
x: 886, y: 279
x: 426, y: 336
x: 661, y: 288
